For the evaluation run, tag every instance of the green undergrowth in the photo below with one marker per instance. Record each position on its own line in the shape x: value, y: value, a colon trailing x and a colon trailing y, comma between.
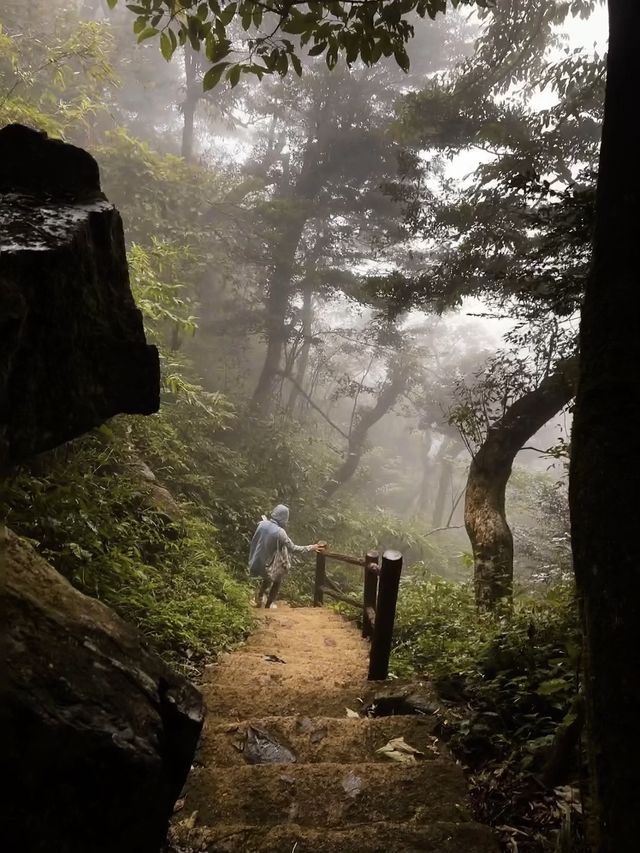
x: 508, y: 688
x: 92, y: 511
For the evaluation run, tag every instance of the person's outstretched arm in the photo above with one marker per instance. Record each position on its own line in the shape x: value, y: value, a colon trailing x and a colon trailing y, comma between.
x: 292, y: 547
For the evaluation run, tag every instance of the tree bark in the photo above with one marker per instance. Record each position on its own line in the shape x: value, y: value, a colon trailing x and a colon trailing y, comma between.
x: 365, y: 420
x: 279, y: 291
x: 484, y: 510
x: 303, y: 359
x: 444, y: 482
x: 420, y: 499
x: 192, y: 96
x: 605, y: 463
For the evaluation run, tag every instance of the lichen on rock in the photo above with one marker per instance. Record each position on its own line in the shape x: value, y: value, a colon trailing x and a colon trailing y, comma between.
x: 97, y: 735
x: 73, y: 351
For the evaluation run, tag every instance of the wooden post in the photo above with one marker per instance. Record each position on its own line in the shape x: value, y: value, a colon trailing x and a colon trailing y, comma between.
x: 321, y: 574
x: 370, y: 595
x: 385, y: 615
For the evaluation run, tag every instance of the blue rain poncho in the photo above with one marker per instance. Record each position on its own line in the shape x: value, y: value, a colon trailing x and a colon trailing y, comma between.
x: 270, y: 532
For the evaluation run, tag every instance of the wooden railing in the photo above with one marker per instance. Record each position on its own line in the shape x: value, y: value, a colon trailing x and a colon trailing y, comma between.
x: 378, y: 604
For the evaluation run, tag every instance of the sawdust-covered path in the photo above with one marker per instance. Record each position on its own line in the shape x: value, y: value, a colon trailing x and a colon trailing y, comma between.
x: 284, y: 696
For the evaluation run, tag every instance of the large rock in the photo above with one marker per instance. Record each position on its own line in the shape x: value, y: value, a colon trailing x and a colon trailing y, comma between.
x: 72, y: 345
x: 96, y: 733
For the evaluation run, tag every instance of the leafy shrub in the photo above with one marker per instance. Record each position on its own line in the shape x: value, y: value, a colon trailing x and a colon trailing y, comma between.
x: 523, y: 666
x: 90, y: 511
x: 507, y: 685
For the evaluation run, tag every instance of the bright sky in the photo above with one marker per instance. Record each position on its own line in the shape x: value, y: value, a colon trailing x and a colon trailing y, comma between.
x: 590, y: 33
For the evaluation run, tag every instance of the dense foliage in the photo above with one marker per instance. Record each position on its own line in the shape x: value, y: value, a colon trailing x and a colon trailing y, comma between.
x: 507, y: 690
x: 282, y: 241
x: 365, y: 31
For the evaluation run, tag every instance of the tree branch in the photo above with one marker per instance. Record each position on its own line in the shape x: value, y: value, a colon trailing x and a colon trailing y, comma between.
x: 313, y: 405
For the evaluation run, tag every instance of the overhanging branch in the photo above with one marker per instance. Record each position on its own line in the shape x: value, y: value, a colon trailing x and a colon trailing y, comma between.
x: 313, y: 405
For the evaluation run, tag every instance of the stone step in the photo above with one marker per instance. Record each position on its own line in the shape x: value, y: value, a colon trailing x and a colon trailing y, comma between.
x: 323, y: 739
x: 268, y: 698
x: 279, y: 661
x: 438, y: 837
x: 297, y: 677
x: 324, y: 646
x: 328, y: 795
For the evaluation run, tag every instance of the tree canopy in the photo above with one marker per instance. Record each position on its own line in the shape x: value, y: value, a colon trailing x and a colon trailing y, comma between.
x: 250, y: 37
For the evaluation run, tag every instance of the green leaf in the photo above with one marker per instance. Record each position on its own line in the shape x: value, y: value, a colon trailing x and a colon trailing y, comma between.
x: 226, y: 16
x: 147, y: 33
x: 297, y: 65
x: 298, y: 23
x: 401, y: 58
x: 233, y: 75
x: 212, y: 77
x: 317, y: 49
x: 246, y: 18
x: 166, y: 47
x: 551, y: 686
x: 112, y: 3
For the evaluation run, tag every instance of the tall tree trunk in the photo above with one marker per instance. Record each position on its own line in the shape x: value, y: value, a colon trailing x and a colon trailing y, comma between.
x: 365, y: 419
x: 420, y: 501
x: 484, y: 510
x: 279, y: 292
x: 192, y: 96
x: 303, y: 359
x: 605, y: 462
x: 275, y: 323
x: 444, y: 481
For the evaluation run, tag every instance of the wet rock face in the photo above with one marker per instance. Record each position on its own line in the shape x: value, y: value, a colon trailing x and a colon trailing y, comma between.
x: 96, y: 734
x: 30, y: 162
x: 72, y: 346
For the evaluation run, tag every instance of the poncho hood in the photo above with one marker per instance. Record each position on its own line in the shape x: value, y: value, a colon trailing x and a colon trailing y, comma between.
x: 280, y: 514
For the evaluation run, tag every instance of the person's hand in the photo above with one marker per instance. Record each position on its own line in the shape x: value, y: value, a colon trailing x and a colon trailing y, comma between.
x: 319, y: 546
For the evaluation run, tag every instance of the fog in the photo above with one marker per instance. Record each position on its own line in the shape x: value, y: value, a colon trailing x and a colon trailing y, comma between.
x: 349, y: 257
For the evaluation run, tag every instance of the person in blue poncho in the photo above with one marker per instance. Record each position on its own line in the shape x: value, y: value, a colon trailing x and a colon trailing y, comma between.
x: 269, y: 555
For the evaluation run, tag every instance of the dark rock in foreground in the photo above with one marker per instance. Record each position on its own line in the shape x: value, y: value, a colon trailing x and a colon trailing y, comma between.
x: 72, y: 345
x: 96, y: 733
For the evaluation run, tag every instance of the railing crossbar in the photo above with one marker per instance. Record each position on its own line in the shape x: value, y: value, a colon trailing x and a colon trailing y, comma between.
x: 345, y: 558
x: 378, y: 605
x: 340, y: 597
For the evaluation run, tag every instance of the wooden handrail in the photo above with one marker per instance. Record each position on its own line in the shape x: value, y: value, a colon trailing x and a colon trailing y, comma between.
x: 378, y: 605
x: 385, y: 615
x: 344, y: 558
x: 370, y: 595
x: 340, y: 597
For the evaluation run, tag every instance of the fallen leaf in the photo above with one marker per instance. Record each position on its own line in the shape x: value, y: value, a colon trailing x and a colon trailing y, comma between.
x: 352, y: 784
x: 397, y: 749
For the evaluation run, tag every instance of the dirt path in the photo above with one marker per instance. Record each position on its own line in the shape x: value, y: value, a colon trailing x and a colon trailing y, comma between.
x: 285, y: 696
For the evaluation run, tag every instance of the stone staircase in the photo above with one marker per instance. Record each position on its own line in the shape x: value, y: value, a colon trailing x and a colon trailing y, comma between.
x: 289, y: 689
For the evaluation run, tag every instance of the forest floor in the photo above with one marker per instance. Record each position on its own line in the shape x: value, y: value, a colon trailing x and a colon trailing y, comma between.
x: 289, y: 762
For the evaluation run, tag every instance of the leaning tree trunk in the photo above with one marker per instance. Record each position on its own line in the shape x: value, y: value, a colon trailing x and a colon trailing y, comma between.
x: 605, y: 462
x: 484, y: 510
x: 365, y: 419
